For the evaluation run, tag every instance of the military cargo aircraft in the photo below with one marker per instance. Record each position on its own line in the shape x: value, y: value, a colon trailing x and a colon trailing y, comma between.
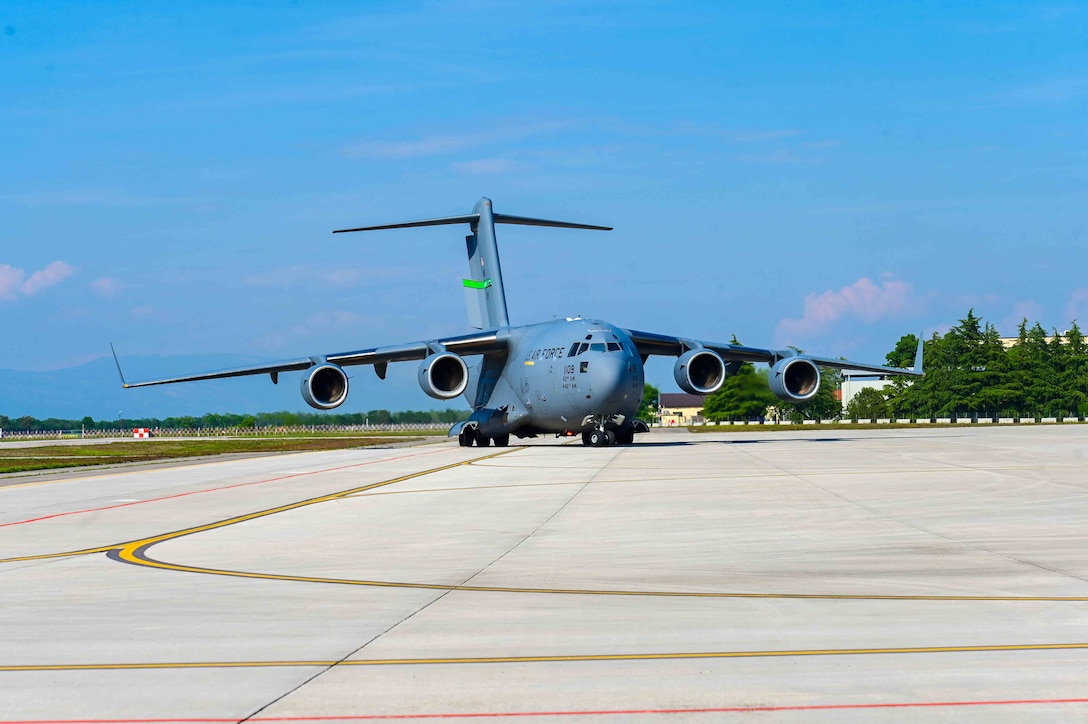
x: 567, y: 377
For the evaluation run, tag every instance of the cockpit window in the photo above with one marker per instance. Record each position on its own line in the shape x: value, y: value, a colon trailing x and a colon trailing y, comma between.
x: 573, y: 350
x: 614, y: 347
x: 597, y: 346
x: 583, y: 347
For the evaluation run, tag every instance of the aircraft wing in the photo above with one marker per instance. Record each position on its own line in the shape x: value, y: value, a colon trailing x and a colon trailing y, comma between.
x: 650, y: 343
x: 465, y: 345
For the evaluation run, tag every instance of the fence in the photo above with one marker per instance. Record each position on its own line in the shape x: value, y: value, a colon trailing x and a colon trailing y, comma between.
x: 962, y: 420
x: 285, y: 430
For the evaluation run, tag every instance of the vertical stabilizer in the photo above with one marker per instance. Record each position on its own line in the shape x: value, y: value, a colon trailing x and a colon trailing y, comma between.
x: 484, y: 292
x: 485, y: 295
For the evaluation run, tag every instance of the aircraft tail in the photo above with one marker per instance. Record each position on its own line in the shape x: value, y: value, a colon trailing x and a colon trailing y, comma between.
x: 485, y: 295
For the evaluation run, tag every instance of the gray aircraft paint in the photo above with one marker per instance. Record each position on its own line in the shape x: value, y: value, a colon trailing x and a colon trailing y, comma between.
x: 563, y: 376
x: 484, y: 291
x: 544, y: 387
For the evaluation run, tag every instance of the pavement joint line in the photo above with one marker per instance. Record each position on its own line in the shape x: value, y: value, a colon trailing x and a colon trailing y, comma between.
x: 887, y: 515
x: 126, y: 551
x: 211, y: 490
x: 567, y: 713
x: 556, y: 658
x: 135, y: 553
x: 249, y: 516
x: 619, y: 481
x: 138, y: 556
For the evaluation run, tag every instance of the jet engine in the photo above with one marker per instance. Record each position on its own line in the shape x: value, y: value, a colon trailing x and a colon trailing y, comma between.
x: 795, y: 379
x: 443, y: 376
x: 325, y: 387
x: 699, y: 371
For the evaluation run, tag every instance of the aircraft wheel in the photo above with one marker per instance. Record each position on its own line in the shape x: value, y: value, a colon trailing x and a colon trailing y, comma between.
x: 597, y: 439
x: 502, y: 440
x: 482, y: 441
x: 625, y: 436
x: 464, y: 438
x: 609, y: 438
x: 587, y: 438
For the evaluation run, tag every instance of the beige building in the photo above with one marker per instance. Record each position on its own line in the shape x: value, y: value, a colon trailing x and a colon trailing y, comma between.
x: 852, y: 384
x: 1008, y: 342
x: 679, y: 409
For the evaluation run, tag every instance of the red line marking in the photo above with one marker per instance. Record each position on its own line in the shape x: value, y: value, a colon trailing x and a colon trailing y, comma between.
x: 213, y: 490
x: 600, y: 712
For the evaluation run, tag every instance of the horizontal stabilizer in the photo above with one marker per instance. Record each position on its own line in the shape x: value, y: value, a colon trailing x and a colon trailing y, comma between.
x: 526, y: 221
x: 466, y: 219
x: 474, y: 218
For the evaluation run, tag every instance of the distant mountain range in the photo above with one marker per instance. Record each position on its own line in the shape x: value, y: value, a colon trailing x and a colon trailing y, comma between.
x: 94, y: 389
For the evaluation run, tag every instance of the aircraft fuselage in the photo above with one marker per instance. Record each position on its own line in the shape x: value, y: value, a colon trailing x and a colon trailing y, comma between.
x: 569, y: 375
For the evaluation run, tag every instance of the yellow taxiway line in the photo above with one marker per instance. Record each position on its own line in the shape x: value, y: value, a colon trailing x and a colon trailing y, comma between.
x: 694, y: 655
x: 251, y: 516
x: 136, y: 553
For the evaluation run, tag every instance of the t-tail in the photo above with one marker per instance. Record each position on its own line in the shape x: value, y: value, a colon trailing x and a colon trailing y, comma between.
x: 484, y: 291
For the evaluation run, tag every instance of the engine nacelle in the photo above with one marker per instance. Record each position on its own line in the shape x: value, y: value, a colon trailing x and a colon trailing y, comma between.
x: 325, y: 387
x: 795, y: 379
x: 443, y: 376
x: 699, y: 371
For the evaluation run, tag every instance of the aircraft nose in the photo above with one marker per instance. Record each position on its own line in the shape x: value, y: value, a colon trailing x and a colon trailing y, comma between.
x: 608, y: 375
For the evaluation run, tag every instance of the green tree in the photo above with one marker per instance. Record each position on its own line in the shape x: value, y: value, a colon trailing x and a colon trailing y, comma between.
x: 743, y: 396
x: 903, y: 354
x: 867, y: 404
x: 647, y: 408
x: 380, y: 417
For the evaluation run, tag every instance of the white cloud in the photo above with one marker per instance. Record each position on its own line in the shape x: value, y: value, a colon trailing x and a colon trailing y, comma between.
x: 862, y: 300
x: 445, y: 143
x: 95, y: 197
x: 1076, y: 308
x: 15, y: 283
x: 1028, y: 309
x: 427, y: 146
x: 328, y: 322
x: 486, y: 165
x: 300, y: 274
x: 106, y: 286
x: 11, y: 281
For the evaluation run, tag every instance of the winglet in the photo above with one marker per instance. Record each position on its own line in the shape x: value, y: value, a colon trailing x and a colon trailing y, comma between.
x: 119, y: 372
x: 918, y: 355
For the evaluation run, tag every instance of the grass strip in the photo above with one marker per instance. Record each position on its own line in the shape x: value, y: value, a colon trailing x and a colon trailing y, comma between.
x: 23, y: 459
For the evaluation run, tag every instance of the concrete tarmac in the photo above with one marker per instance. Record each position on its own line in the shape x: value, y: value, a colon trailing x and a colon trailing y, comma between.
x: 884, y: 575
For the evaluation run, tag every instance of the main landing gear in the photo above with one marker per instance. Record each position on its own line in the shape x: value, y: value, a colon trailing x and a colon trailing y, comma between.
x: 470, y: 435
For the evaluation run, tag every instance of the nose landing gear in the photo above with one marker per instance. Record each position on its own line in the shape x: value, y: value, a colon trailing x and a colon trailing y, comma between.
x: 624, y: 434
x: 599, y: 438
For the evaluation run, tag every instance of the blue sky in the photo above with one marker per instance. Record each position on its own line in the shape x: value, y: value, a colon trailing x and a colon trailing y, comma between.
x: 828, y: 175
